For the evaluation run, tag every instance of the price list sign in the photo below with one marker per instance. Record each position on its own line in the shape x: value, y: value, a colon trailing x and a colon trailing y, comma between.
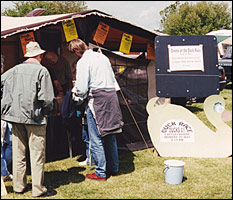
x: 69, y: 30
x: 101, y: 33
x: 25, y: 39
x: 126, y: 42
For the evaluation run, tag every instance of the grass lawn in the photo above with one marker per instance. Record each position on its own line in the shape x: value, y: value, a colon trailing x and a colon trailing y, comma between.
x: 141, y: 175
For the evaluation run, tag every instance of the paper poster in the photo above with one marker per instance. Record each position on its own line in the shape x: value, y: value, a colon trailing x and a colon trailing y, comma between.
x: 126, y: 42
x: 101, y: 33
x: 176, y: 131
x: 150, y: 51
x: 25, y: 39
x: 186, y: 58
x: 69, y: 30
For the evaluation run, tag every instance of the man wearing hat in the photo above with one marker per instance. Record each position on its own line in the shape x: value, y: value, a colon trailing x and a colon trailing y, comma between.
x: 26, y: 98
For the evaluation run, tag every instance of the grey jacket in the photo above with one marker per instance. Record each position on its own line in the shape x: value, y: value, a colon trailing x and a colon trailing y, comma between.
x: 26, y: 94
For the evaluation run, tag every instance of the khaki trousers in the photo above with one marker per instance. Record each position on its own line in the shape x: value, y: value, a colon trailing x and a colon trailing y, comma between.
x: 34, y: 136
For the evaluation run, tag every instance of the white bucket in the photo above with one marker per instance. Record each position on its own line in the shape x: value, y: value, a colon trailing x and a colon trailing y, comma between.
x: 174, y: 170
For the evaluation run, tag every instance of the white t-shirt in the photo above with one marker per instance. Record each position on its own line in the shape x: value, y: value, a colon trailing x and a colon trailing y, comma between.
x: 94, y: 71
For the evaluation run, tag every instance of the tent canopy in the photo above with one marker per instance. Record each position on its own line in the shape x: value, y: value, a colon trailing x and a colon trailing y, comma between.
x: 221, y: 34
x: 132, y: 79
x: 86, y: 24
x: 228, y: 41
x: 224, y: 37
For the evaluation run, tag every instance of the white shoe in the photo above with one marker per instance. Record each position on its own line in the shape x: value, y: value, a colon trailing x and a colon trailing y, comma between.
x: 86, y: 162
x: 8, y: 177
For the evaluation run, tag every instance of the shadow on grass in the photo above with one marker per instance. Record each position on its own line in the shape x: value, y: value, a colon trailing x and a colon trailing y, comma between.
x: 228, y: 86
x: 184, y: 179
x: 194, y: 109
x: 126, y: 164
x: 55, y: 179
x: 9, y: 189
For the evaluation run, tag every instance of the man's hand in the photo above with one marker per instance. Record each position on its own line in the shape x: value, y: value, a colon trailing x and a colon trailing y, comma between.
x: 78, y: 100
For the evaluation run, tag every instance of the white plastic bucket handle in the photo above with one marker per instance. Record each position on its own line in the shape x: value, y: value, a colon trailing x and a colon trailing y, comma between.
x: 174, y: 163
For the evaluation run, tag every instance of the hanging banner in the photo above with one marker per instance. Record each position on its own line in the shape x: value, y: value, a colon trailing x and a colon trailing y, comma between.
x: 25, y: 39
x: 126, y: 42
x: 150, y: 51
x: 101, y: 33
x: 69, y: 30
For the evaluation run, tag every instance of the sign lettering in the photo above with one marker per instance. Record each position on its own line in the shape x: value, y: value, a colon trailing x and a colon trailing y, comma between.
x: 126, y: 42
x: 176, y: 131
x: 184, y: 58
x: 101, y: 33
x: 69, y: 30
x: 25, y: 39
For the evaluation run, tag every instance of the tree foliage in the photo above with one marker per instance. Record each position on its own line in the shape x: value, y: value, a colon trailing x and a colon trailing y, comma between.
x: 198, y: 19
x: 22, y: 8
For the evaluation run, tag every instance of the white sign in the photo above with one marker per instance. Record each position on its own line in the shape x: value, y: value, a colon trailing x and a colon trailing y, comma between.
x: 183, y: 58
x: 176, y: 131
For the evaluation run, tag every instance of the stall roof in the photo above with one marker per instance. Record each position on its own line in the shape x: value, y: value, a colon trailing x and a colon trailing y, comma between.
x: 90, y: 19
x: 14, y: 25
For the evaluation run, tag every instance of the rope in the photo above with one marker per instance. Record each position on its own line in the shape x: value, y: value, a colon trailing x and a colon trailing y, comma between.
x: 133, y: 118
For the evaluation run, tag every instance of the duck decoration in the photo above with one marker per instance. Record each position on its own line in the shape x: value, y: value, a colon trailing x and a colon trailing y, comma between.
x: 177, y: 132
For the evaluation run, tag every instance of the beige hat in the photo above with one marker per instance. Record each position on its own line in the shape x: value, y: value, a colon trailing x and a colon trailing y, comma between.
x: 33, y: 49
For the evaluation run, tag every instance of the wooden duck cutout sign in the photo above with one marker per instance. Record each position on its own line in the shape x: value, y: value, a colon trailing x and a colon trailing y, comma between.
x: 177, y: 132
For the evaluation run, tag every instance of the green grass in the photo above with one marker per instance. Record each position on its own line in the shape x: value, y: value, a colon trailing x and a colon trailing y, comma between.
x: 141, y: 175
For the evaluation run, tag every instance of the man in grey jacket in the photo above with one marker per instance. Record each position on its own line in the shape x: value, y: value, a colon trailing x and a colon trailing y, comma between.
x: 26, y: 98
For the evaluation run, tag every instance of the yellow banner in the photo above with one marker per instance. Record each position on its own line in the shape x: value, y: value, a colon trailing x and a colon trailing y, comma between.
x: 126, y: 42
x: 150, y: 51
x: 101, y: 33
x: 25, y: 39
x: 69, y: 30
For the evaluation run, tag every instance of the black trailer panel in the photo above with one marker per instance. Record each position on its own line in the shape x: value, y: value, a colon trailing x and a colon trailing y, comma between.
x: 186, y: 66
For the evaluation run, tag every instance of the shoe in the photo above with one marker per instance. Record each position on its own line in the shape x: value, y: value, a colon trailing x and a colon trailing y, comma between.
x: 25, y: 190
x: 49, y: 193
x: 95, y: 177
x: 19, y: 192
x: 85, y: 162
x: 8, y: 177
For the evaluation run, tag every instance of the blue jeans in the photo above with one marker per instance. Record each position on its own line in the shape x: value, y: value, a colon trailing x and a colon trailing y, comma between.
x: 103, y: 149
x: 85, y: 138
x: 6, y: 151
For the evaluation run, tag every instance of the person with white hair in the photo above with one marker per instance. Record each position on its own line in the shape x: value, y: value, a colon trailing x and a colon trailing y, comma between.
x: 27, y: 97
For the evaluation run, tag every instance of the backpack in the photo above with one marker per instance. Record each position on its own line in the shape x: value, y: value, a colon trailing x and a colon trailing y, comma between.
x: 69, y: 107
